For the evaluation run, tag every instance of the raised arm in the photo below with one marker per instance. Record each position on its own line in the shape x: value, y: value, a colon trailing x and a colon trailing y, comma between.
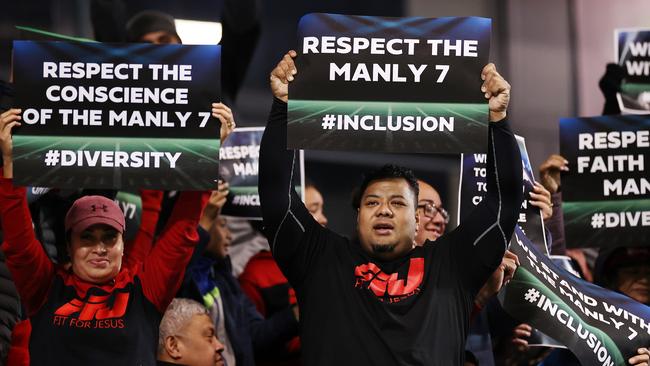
x: 162, y: 271
x: 270, y: 334
x: 286, y: 220
x: 30, y: 267
x: 481, y: 240
x: 549, y: 174
x: 241, y: 31
x: 138, y: 249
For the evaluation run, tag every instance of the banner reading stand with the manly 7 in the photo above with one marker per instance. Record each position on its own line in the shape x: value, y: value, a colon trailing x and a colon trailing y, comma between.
x: 473, y: 184
x: 606, y: 192
x: 100, y: 115
x: 239, y: 166
x: 600, y: 327
x: 389, y: 84
x: 633, y: 55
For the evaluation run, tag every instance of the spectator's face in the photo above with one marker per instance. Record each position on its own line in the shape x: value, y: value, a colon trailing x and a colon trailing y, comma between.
x: 387, y: 221
x: 96, y: 253
x: 314, y: 203
x: 197, y: 343
x: 220, y: 239
x: 634, y: 281
x: 160, y: 37
x: 430, y: 228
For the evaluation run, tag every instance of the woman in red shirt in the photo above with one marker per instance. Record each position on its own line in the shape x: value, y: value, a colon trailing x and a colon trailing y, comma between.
x: 96, y: 310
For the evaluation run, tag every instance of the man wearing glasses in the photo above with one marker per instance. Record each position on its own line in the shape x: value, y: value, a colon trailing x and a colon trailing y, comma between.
x: 433, y: 218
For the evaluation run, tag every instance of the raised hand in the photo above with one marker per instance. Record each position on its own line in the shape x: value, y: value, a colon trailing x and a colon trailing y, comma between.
x: 501, y: 276
x: 282, y: 75
x: 215, y: 203
x: 549, y: 172
x: 497, y: 90
x: 221, y: 111
x: 8, y: 120
x: 540, y: 197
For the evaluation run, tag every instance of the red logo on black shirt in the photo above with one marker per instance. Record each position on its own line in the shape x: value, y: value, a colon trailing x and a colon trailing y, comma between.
x: 94, y: 312
x: 388, y: 287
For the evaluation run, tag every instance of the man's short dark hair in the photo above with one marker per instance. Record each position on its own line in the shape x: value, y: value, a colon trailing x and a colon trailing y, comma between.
x: 387, y: 171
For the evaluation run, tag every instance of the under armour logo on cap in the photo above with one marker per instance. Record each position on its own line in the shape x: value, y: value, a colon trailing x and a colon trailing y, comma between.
x: 91, y: 210
x: 103, y: 208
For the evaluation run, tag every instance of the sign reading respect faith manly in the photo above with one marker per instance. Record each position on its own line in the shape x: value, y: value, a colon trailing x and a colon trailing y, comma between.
x: 606, y: 191
x: 389, y: 84
x: 116, y: 115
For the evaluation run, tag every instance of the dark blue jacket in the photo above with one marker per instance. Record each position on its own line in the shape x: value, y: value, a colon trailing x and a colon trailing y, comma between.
x: 248, y: 331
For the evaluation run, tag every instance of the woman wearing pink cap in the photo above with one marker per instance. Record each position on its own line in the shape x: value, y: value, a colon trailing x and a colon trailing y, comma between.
x: 97, y: 311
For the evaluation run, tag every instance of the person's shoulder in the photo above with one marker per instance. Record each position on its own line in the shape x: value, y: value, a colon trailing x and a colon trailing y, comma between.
x: 440, y: 246
x: 259, y: 263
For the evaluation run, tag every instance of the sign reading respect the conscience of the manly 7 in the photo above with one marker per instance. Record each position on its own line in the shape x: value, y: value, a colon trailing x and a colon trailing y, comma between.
x: 116, y: 115
x: 389, y: 84
x: 606, y: 191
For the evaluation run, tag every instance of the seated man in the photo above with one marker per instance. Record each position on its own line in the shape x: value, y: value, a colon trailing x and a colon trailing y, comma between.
x: 382, y: 300
x: 187, y: 336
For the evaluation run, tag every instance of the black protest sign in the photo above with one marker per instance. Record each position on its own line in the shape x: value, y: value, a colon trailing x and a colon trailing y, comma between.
x: 473, y: 186
x: 35, y: 193
x: 606, y: 191
x: 389, y: 84
x: 100, y: 115
x: 537, y: 338
x: 239, y: 166
x: 601, y: 327
x: 633, y: 55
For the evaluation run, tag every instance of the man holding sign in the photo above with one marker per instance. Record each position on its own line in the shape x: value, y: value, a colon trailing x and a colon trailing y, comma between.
x: 382, y: 300
x: 99, y: 299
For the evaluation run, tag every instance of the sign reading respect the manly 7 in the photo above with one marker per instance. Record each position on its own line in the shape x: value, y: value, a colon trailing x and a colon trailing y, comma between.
x: 116, y: 115
x: 389, y: 84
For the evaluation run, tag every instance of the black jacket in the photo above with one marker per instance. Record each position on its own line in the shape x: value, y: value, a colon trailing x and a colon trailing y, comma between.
x: 247, y: 330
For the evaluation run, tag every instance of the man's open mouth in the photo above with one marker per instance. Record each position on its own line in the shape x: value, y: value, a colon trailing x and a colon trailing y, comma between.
x: 383, y: 228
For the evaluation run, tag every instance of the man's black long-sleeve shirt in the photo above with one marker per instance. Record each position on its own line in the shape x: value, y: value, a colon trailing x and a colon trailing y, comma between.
x: 357, y: 310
